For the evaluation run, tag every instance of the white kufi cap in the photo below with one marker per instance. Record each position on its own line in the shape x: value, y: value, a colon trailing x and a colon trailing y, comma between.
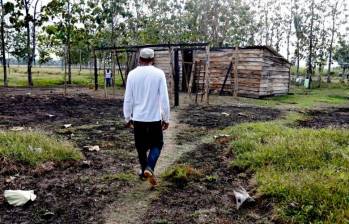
x: 147, y: 53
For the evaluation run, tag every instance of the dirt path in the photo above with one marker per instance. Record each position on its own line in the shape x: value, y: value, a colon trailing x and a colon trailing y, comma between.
x: 133, y: 204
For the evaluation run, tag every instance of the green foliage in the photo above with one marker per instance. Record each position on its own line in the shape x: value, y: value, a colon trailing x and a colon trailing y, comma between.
x: 306, y: 170
x: 342, y: 53
x: 181, y: 174
x: 33, y: 148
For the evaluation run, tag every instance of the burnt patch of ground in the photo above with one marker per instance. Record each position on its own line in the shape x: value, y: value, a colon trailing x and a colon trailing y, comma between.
x: 70, y: 192
x: 223, y: 116
x: 338, y: 118
x: 209, y: 199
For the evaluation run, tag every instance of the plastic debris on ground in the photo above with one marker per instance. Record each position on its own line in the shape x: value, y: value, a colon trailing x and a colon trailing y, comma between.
x: 36, y: 150
x: 19, y: 197
x: 50, y: 115
x: 242, y: 114
x: 17, y: 129
x: 225, y: 114
x: 67, y: 125
x: 241, y: 195
x: 92, y: 148
x: 222, y: 139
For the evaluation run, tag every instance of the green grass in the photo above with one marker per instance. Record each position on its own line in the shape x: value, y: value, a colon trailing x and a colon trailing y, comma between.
x: 305, y: 170
x: 331, y: 95
x: 181, y: 174
x: 47, y: 77
x: 34, y: 148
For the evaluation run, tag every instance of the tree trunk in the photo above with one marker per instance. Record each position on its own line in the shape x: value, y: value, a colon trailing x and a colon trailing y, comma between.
x: 289, y: 31
x: 29, y: 52
x: 34, y: 33
x: 68, y: 45
x: 298, y: 58
x: 3, y: 44
x: 310, y: 56
x: 331, y: 44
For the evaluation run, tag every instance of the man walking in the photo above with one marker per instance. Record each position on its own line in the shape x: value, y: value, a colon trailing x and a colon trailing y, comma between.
x: 147, y: 109
x: 108, y: 77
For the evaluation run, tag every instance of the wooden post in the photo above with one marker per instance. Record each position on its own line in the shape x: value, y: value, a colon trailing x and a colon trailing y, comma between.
x: 103, y: 74
x: 176, y: 78
x: 80, y: 63
x: 236, y: 79
x: 65, y: 71
x: 170, y: 81
x: 207, y: 75
x: 113, y: 72
x: 95, y: 68
x: 122, y: 76
x: 191, y: 80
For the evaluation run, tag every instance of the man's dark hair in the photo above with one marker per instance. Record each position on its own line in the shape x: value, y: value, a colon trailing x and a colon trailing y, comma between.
x: 146, y: 60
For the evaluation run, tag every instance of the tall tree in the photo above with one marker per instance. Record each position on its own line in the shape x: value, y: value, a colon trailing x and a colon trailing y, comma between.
x: 289, y: 22
x: 3, y: 51
x: 27, y: 15
x: 334, y: 17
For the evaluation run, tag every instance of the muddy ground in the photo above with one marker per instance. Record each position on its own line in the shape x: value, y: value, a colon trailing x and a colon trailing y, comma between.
x: 73, y: 192
x: 76, y: 192
x: 224, y: 116
x: 332, y: 117
x: 209, y: 198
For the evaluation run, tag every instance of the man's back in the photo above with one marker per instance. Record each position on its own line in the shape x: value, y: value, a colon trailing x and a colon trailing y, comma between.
x: 146, y: 96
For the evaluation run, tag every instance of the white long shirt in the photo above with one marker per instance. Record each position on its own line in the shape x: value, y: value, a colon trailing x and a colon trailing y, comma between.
x: 146, y: 96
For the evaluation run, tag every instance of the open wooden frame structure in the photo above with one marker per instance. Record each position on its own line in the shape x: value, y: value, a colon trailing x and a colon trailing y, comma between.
x: 252, y: 71
x: 167, y: 58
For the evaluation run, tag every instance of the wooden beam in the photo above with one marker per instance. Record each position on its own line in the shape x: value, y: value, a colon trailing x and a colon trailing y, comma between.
x: 176, y: 78
x: 95, y: 69
x: 226, y: 78
x: 207, y: 75
x: 152, y: 45
x: 236, y: 79
x: 191, y: 80
x: 170, y: 50
x: 113, y: 71
x: 122, y: 77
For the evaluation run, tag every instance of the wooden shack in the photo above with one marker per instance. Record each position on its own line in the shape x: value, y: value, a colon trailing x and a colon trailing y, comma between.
x: 261, y: 71
x: 255, y: 71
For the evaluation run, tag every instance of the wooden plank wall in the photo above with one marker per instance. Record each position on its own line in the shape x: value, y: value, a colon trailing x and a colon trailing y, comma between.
x: 162, y: 61
x: 260, y: 72
x: 275, y: 75
x: 249, y: 70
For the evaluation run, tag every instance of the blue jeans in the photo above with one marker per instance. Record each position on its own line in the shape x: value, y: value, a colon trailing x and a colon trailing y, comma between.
x: 149, y: 162
x: 148, y: 137
x: 108, y: 82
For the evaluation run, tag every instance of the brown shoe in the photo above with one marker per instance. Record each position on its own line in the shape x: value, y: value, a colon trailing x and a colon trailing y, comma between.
x: 150, y: 177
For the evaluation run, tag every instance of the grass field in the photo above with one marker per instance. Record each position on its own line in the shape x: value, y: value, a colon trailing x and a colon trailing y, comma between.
x: 329, y: 95
x: 48, y: 77
x: 33, y: 148
x: 306, y: 170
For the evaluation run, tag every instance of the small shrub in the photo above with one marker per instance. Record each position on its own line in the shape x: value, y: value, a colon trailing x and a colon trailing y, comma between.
x: 181, y: 174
